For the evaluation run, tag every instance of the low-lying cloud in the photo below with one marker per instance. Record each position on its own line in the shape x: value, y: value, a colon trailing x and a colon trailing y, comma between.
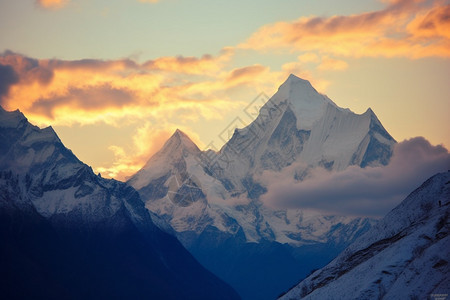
x: 370, y: 191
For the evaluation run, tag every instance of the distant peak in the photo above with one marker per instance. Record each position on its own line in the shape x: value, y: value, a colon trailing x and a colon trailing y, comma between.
x: 11, y: 119
x: 179, y: 132
x: 302, y: 98
x: 179, y: 137
x: 294, y: 79
x: 369, y: 111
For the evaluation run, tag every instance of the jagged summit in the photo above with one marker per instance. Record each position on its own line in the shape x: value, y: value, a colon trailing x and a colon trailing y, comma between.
x: 293, y: 79
x: 11, y: 119
x: 183, y: 138
x: 18, y: 136
x: 179, y: 144
x: 303, y: 99
x: 174, y: 153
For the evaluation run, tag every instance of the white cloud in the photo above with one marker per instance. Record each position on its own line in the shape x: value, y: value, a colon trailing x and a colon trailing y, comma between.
x: 370, y: 191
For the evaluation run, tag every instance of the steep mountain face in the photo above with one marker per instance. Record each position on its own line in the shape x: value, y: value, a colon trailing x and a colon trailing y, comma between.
x: 212, y: 199
x: 67, y: 233
x: 404, y: 256
x: 300, y: 125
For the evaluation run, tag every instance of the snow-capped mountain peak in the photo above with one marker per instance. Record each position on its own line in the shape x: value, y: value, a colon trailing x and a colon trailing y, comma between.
x: 180, y: 139
x: 303, y: 99
x: 10, y: 119
x: 178, y: 152
x: 177, y: 146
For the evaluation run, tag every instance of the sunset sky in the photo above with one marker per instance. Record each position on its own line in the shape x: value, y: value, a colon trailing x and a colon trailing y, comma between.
x: 115, y: 78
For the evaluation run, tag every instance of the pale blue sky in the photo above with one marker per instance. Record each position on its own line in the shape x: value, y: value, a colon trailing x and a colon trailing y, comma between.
x: 111, y: 29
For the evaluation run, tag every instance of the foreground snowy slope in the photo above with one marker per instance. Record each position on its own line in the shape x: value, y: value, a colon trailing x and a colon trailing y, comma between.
x: 405, y: 256
x: 69, y: 234
x: 212, y: 199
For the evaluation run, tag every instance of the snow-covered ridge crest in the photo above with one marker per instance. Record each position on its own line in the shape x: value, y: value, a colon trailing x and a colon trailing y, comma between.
x: 303, y: 99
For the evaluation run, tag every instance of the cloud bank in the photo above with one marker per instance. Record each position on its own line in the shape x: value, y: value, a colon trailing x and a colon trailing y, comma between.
x: 370, y: 191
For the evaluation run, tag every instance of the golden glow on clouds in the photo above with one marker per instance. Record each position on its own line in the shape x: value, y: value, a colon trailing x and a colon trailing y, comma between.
x: 403, y: 29
x: 106, y: 91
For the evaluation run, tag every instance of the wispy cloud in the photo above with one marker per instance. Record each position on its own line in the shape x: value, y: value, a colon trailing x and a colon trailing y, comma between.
x: 404, y: 28
x: 245, y: 74
x: 370, y: 191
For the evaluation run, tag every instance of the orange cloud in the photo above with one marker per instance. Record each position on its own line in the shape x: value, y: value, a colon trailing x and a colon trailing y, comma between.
x: 245, y: 74
x: 88, y: 91
x: 393, y: 31
x: 51, y: 4
x: 432, y: 24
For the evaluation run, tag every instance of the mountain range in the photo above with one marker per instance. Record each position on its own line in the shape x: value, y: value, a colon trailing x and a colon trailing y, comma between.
x: 194, y: 224
x: 212, y: 199
x: 67, y: 233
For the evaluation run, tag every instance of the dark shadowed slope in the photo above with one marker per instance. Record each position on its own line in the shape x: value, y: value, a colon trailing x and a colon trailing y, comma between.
x: 69, y: 234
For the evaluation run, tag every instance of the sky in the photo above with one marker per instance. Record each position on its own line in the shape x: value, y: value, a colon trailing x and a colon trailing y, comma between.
x: 115, y: 78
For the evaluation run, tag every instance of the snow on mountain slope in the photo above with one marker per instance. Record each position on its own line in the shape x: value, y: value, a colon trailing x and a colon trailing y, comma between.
x: 192, y: 189
x: 299, y: 124
x: 90, y: 237
x: 404, y: 256
x: 211, y: 199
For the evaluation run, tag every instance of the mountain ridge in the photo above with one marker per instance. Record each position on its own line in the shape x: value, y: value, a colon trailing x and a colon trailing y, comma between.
x: 86, y: 236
